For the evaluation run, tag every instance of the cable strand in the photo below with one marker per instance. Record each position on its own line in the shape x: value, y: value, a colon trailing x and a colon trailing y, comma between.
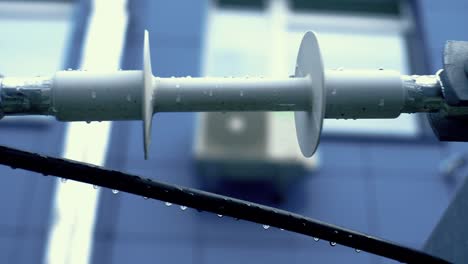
x: 210, y: 202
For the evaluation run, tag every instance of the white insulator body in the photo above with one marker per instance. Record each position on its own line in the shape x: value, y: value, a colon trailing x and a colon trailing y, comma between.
x: 85, y: 96
x: 364, y: 94
x: 231, y: 94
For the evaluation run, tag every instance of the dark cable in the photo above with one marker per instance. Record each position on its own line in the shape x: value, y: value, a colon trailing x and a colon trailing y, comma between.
x: 210, y: 202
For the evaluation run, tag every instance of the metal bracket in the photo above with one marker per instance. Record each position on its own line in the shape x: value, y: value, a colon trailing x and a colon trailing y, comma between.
x: 454, y: 82
x: 454, y: 77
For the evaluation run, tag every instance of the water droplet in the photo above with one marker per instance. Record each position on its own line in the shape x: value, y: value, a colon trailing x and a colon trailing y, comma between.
x: 220, y: 215
x: 183, y: 207
x: 241, y: 93
x: 93, y: 94
x: 332, y: 243
x: 114, y: 191
x: 382, y: 102
x: 266, y: 227
x: 211, y: 93
x: 357, y: 250
x: 63, y: 180
x: 178, y: 99
x: 144, y: 197
x: 281, y: 229
x: 129, y: 98
x: 381, y: 69
x: 177, y: 86
x: 333, y: 92
x: 340, y: 69
x: 189, y: 77
x: 95, y: 187
x: 87, y: 121
x: 168, y: 203
x: 316, y: 239
x: 69, y: 69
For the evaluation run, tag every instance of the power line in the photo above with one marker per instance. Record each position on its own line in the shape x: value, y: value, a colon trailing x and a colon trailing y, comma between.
x: 210, y: 202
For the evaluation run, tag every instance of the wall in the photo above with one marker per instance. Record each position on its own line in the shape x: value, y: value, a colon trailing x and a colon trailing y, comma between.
x: 387, y: 188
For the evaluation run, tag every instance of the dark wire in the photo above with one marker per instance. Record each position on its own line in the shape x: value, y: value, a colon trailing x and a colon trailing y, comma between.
x: 210, y: 202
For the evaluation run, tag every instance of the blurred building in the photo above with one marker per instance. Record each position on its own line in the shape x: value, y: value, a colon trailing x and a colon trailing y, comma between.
x: 388, y: 178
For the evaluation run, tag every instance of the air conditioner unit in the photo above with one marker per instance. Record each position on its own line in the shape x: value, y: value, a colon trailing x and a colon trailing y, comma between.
x: 250, y: 147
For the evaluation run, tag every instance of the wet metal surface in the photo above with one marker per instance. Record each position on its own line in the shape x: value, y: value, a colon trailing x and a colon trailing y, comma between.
x: 26, y: 96
x: 423, y: 93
